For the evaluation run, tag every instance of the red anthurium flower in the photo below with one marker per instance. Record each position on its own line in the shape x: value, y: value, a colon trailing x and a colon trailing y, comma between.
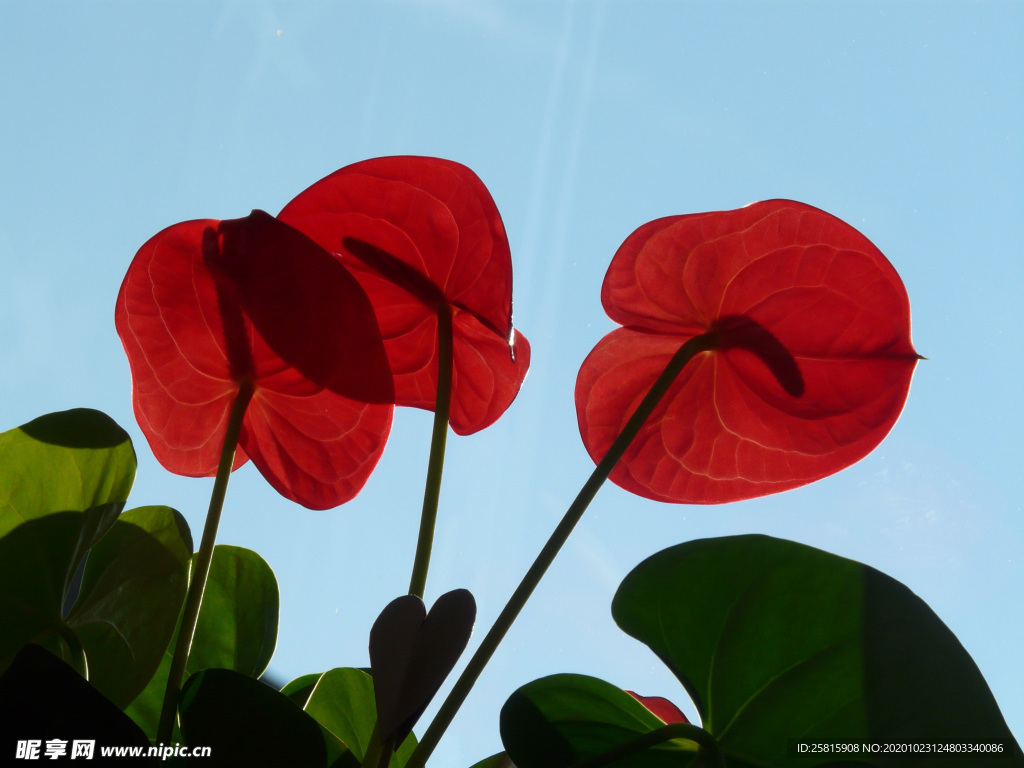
x: 810, y: 364
x: 208, y: 307
x: 422, y: 235
x: 663, y: 708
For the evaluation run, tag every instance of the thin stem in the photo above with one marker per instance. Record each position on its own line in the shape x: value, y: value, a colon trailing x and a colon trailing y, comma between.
x: 435, y: 465
x: 194, y: 597
x: 508, y: 615
x: 703, y: 739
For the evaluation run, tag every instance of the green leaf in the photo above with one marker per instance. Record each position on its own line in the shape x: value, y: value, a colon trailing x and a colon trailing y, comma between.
x: 237, y: 626
x: 34, y: 559
x: 342, y: 701
x: 130, y: 592
x: 299, y: 689
x: 236, y: 630
x: 71, y: 461
x: 64, y: 478
x: 338, y: 753
x: 77, y: 461
x: 776, y: 641
x: 558, y: 721
x: 246, y: 722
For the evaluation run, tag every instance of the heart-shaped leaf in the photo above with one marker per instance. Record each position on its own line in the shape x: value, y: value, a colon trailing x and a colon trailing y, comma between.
x: 411, y: 654
x: 237, y: 627
x: 777, y: 641
x: 342, y: 701
x: 246, y: 722
x: 561, y: 720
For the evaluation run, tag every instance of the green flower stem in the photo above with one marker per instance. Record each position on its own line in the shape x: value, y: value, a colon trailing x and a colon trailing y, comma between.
x: 435, y: 464
x: 547, y: 555
x: 703, y: 739
x: 194, y: 597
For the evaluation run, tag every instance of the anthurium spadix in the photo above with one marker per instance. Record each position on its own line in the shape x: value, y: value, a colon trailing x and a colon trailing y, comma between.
x: 806, y: 355
x: 210, y: 307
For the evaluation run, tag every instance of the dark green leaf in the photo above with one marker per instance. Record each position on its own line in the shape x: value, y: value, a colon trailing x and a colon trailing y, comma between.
x: 43, y: 698
x: 237, y: 627
x: 558, y: 721
x: 131, y: 590
x: 412, y: 652
x: 776, y: 641
x: 342, y: 701
x: 34, y: 559
x: 246, y: 722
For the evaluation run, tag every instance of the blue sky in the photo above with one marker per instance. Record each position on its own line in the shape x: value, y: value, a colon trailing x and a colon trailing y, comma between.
x: 585, y: 120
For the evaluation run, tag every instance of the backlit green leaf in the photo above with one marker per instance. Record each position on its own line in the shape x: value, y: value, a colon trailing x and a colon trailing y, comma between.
x: 70, y: 461
x: 299, y: 689
x: 342, y: 701
x: 776, y: 641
